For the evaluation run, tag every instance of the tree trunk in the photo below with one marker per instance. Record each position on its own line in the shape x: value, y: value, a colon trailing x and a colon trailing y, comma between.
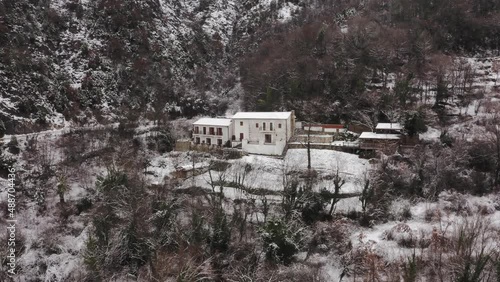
x: 308, y: 155
x: 309, y: 148
x: 334, y: 202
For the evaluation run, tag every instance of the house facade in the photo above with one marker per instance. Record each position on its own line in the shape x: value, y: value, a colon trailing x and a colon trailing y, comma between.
x: 265, y: 133
x: 212, y: 131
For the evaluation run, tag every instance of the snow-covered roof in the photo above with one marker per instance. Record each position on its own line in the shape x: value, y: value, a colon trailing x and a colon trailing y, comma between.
x: 395, y: 126
x: 213, y: 121
x: 262, y: 115
x: 373, y: 135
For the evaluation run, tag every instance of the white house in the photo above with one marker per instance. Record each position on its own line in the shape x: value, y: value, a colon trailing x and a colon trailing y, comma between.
x: 265, y: 133
x: 212, y: 131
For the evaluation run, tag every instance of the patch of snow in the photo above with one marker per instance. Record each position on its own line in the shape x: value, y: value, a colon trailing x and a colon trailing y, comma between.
x: 432, y: 134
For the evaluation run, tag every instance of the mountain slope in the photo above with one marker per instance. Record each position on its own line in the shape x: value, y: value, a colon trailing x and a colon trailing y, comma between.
x: 93, y: 61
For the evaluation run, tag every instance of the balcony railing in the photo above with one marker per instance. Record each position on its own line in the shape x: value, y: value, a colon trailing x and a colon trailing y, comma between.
x: 208, y: 134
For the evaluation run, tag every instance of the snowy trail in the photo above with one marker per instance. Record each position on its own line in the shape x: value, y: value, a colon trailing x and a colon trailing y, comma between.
x: 56, y: 132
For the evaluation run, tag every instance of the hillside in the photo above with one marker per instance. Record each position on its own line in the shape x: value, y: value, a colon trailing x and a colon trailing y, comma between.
x: 94, y: 95
x: 80, y: 62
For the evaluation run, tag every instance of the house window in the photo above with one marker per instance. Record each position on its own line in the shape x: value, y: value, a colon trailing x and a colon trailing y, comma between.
x: 263, y: 126
x: 196, y: 130
x: 209, y: 141
x: 241, y: 123
x: 267, y: 138
x: 211, y: 131
x: 219, y: 131
x: 204, y: 130
x: 197, y: 140
x: 233, y: 138
x: 270, y: 126
x: 257, y: 125
x: 279, y: 125
x: 219, y: 142
x: 241, y: 136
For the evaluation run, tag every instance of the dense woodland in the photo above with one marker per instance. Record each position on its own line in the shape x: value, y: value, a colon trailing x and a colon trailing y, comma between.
x: 353, y: 62
x: 106, y: 58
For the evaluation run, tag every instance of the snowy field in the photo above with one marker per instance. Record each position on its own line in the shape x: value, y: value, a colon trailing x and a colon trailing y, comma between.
x: 268, y: 173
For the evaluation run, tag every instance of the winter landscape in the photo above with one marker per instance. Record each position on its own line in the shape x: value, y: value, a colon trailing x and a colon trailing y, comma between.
x: 250, y: 140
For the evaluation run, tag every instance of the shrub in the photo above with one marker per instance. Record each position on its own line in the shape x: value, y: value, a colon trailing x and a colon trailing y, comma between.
x: 281, y: 243
x: 406, y: 213
x: 232, y: 154
x: 410, y: 269
x: 112, y: 181
x: 93, y: 256
x: 5, y: 164
x: 366, y: 220
x: 407, y: 242
x: 221, y: 233
x: 163, y: 219
x: 331, y: 236
x: 219, y: 165
x: 312, y: 208
x: 415, y: 123
x: 13, y: 145
x: 2, y: 128
x: 481, y: 156
x: 83, y: 205
x: 446, y: 139
x: 162, y: 142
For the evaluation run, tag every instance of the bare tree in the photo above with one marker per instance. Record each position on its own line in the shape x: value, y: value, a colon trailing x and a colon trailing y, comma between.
x: 365, y: 192
x: 217, y: 179
x: 338, y: 182
x: 366, y: 118
x: 292, y: 191
x: 496, y: 69
x: 493, y: 136
x: 62, y: 185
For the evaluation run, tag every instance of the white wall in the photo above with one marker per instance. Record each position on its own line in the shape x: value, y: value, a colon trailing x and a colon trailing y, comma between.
x: 254, y: 136
x: 227, y: 132
x: 335, y: 130
x: 276, y: 149
x: 314, y: 128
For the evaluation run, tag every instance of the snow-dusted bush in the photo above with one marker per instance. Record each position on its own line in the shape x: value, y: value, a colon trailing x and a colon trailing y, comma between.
x: 13, y: 145
x: 281, y: 241
x: 400, y: 209
x: 330, y: 236
x: 162, y: 142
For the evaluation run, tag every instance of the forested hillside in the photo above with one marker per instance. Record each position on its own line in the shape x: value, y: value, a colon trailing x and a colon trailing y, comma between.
x: 96, y: 61
x: 94, y: 95
x: 99, y: 61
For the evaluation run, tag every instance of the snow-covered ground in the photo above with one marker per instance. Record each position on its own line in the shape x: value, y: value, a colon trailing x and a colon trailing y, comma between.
x: 430, y: 223
x: 445, y: 216
x: 53, y: 252
x: 268, y: 172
